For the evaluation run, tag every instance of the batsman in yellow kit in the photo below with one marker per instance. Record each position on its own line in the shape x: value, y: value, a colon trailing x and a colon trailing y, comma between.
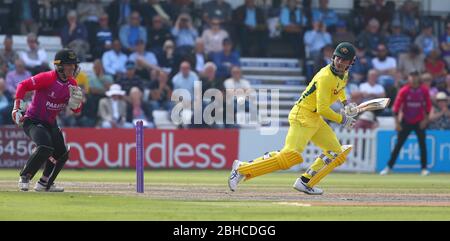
x: 306, y: 124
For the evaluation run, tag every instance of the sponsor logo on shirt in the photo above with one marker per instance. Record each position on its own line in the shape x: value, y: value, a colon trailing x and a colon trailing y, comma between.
x: 55, y: 106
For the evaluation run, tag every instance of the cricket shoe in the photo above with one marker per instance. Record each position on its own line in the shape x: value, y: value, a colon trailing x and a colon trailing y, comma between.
x: 385, y: 171
x: 39, y: 187
x: 425, y: 172
x: 235, y: 176
x: 24, y: 183
x: 299, y: 185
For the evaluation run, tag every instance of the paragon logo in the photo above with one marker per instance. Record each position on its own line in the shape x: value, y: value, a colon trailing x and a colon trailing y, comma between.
x: 55, y: 106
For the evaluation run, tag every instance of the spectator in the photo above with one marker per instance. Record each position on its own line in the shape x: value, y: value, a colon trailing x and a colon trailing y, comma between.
x: 184, y: 33
x: 167, y: 58
x: 143, y: 57
x: 444, y: 42
x: 225, y: 60
x: 14, y: 77
x: 214, y: 36
x: 152, y: 8
x: 426, y: 39
x: 114, y: 60
x: 130, y: 79
x: 185, y: 7
x: 209, y: 79
x: 427, y: 79
x: 325, y: 15
x: 6, y: 104
x: 362, y: 65
x: 408, y: 17
x: 185, y: 79
x: 119, y: 11
x: 371, y: 37
x: 8, y: 56
x: 324, y: 59
x: 74, y: 35
x: 218, y: 9
x: 158, y: 34
x: 371, y: 89
x: 435, y: 65
x: 236, y: 81
x: 414, y: 59
x: 112, y: 110
x: 380, y: 12
x: 316, y: 39
x: 99, y: 83
x: 440, y: 114
x: 132, y: 32
x: 200, y: 55
x: 385, y: 65
x: 251, y: 27
x: 137, y: 109
x: 398, y: 42
x: 366, y: 121
x: 35, y: 58
x: 26, y: 15
x: 89, y: 11
x: 104, y: 36
x: 160, y: 92
x: 342, y: 34
x: 293, y: 21
x: 411, y: 109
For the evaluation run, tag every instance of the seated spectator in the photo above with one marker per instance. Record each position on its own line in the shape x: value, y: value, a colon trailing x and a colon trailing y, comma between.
x: 366, y: 121
x: 293, y: 21
x: 89, y: 13
x: 8, y: 56
x: 152, y: 8
x: 435, y: 65
x: 225, y: 60
x: 14, y: 77
x: 130, y: 79
x: 200, y: 55
x: 35, y: 58
x: 112, y: 110
x: 440, y: 114
x: 325, y: 15
x: 412, y: 60
x: 236, y: 81
x: 185, y: 79
x: 426, y: 39
x: 218, y: 9
x: 6, y: 104
x: 99, y: 81
x: 114, y: 60
x: 444, y: 42
x: 143, y: 57
x: 103, y: 37
x: 342, y: 34
x: 398, y: 42
x: 26, y: 15
x: 158, y: 34
x: 408, y: 15
x: 427, y: 79
x: 74, y: 35
x: 137, y: 109
x: 132, y: 32
x: 315, y: 39
x: 324, y: 59
x: 184, y: 33
x: 371, y: 89
x: 167, y: 58
x: 214, y: 36
x: 209, y: 79
x: 251, y: 28
x: 188, y: 7
x: 161, y: 93
x: 379, y: 11
x: 119, y: 11
x: 371, y: 37
x: 362, y: 65
x: 385, y: 65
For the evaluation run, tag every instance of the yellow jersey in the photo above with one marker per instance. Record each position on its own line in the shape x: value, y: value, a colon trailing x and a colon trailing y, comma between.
x: 323, y: 90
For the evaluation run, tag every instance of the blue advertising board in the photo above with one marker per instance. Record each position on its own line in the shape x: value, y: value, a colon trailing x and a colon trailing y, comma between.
x: 408, y: 160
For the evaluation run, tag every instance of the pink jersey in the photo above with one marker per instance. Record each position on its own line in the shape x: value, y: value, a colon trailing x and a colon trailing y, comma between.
x: 50, y: 97
x: 414, y: 103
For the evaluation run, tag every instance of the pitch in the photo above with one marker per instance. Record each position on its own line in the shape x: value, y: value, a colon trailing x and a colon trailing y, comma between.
x: 204, y: 195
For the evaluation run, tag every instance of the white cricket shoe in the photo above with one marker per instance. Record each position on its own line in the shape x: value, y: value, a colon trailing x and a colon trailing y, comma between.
x: 53, y: 188
x: 235, y: 176
x: 299, y: 185
x: 425, y: 172
x: 24, y: 184
x: 385, y: 171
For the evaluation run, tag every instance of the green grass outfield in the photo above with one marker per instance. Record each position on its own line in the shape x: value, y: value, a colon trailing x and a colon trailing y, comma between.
x: 78, y: 204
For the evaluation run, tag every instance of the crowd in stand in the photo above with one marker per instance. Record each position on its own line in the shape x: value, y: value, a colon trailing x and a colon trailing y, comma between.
x: 144, y: 50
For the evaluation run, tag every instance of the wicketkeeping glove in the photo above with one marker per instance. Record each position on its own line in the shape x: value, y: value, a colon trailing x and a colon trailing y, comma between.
x: 18, y: 112
x: 76, y: 97
x: 347, y: 121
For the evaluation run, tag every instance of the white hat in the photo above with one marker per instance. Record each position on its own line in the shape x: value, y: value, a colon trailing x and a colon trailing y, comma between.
x: 441, y: 96
x: 368, y: 116
x: 115, y: 89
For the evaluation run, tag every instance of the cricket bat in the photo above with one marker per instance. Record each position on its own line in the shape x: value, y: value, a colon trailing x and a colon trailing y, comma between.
x: 375, y: 104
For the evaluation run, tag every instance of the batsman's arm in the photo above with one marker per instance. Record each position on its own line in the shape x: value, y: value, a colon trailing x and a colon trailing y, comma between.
x: 324, y: 88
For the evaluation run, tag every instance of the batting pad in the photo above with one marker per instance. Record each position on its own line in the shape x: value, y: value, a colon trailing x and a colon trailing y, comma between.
x: 339, y: 160
x: 283, y: 160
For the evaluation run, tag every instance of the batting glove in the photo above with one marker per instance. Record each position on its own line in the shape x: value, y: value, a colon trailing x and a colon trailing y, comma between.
x: 18, y: 112
x: 347, y: 121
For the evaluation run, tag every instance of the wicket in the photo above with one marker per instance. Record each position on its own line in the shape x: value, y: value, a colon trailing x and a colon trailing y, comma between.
x: 139, y: 157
